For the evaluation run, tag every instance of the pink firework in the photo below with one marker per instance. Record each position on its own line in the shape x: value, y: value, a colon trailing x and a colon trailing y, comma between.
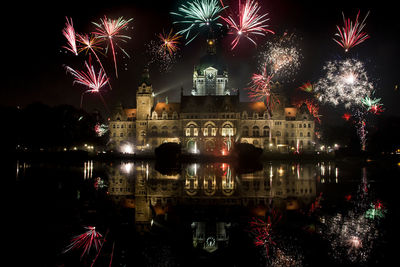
x: 351, y: 34
x: 247, y: 23
x: 262, y: 230
x: 69, y: 34
x: 86, y: 241
x: 89, y: 79
x: 110, y: 30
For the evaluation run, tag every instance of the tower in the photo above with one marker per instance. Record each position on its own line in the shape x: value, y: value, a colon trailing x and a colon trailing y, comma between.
x: 144, y: 104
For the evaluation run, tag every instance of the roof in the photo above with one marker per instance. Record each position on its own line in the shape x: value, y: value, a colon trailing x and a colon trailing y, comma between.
x: 169, y: 108
x: 130, y: 113
x: 209, y: 103
x: 210, y: 60
x: 251, y: 107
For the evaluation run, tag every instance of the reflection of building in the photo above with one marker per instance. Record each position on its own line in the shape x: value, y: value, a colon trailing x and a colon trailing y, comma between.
x: 210, y: 236
x: 210, y: 184
x: 210, y: 118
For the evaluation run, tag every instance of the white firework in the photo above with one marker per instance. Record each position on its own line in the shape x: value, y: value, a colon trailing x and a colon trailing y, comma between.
x: 345, y: 82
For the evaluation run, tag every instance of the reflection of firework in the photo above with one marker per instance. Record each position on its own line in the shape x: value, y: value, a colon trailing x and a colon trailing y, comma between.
x: 249, y: 22
x: 282, y: 56
x: 351, y: 34
x: 262, y: 230
x: 88, y: 240
x: 198, y: 14
x: 346, y: 81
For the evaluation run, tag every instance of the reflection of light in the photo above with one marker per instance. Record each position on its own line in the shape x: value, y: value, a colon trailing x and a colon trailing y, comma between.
x: 127, y: 167
x: 88, y: 169
x: 280, y: 171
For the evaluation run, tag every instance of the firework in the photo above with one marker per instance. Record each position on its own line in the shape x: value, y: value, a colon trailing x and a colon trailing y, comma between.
x: 197, y: 15
x: 346, y: 116
x: 282, y: 56
x: 69, y: 33
x: 351, y: 34
x: 261, y: 231
x: 346, y: 82
x: 89, y: 79
x: 100, y: 129
x: 247, y: 23
x: 88, y: 240
x: 260, y: 89
x: 110, y: 30
x: 376, y: 211
x: 158, y: 56
x: 373, y: 105
x: 306, y: 87
x: 169, y: 42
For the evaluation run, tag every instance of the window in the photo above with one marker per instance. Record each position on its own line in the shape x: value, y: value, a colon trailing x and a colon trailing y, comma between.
x: 278, y: 133
x: 300, y: 125
x: 175, y: 130
x: 227, y: 130
x: 256, y: 131
x: 266, y: 131
x: 301, y: 134
x: 245, y: 131
x: 304, y: 125
x: 121, y: 134
x: 154, y: 130
x: 164, y: 130
x: 309, y: 125
x: 308, y: 134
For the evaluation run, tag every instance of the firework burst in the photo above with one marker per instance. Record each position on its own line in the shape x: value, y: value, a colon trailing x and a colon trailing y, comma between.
x: 169, y: 42
x: 89, y: 79
x: 282, y: 56
x: 351, y: 34
x: 346, y: 82
x: 110, y: 30
x: 197, y: 15
x: 247, y: 23
x: 69, y: 34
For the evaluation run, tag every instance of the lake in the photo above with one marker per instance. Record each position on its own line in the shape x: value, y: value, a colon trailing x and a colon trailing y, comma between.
x: 142, y: 213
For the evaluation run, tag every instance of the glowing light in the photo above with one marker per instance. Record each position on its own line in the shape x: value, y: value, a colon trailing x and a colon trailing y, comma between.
x: 69, y: 34
x: 127, y: 149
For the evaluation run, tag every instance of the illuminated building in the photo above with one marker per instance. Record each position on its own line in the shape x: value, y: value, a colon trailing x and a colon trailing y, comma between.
x: 211, y: 118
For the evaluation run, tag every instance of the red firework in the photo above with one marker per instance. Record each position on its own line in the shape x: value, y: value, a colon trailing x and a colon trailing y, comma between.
x: 247, y: 23
x: 262, y: 231
x: 346, y: 116
x: 376, y: 109
x: 351, y: 34
x: 110, y: 30
x: 88, y: 240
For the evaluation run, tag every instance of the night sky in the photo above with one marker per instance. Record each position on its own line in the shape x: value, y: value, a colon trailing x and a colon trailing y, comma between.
x: 34, y: 57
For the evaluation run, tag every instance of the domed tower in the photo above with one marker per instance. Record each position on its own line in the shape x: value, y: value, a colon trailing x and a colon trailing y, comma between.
x: 210, y: 76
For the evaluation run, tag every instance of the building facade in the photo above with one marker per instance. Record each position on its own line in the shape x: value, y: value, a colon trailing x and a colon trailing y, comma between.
x: 211, y: 119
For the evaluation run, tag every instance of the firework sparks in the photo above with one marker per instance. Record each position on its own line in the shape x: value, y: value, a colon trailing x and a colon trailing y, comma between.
x: 101, y: 129
x: 351, y: 34
x: 373, y: 105
x: 282, y: 56
x: 346, y: 116
x: 346, y: 81
x: 110, y: 30
x: 88, y: 240
x: 198, y: 14
x: 247, y: 23
x: 69, y: 34
x: 169, y: 42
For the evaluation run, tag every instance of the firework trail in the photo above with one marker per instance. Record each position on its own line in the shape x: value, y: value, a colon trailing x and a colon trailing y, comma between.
x: 69, y: 34
x: 351, y: 34
x: 110, y: 30
x: 89, y: 79
x: 198, y: 14
x: 260, y: 89
x: 247, y: 23
x: 169, y: 42
x: 88, y: 240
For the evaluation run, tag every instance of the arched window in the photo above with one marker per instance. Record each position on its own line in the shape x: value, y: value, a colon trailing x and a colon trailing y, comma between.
x: 154, y: 130
x: 256, y: 131
x: 245, y: 131
x: 266, y: 131
x: 301, y: 134
x: 308, y: 134
x: 227, y: 130
x: 175, y: 130
x: 278, y: 133
x: 164, y: 130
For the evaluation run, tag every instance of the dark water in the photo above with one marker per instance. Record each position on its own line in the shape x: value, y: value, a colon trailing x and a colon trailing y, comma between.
x: 205, y: 214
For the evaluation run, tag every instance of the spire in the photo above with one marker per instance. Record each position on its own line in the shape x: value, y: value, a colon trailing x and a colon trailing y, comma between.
x: 145, y: 77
